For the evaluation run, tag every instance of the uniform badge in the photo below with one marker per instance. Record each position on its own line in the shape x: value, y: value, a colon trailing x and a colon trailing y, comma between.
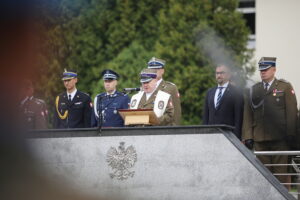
x: 115, y: 111
x: 91, y: 104
x: 292, y: 91
x: 121, y: 161
x: 161, y: 105
x: 133, y: 103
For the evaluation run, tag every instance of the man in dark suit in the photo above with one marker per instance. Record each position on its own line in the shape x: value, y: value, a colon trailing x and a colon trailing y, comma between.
x: 224, y: 103
x: 73, y: 108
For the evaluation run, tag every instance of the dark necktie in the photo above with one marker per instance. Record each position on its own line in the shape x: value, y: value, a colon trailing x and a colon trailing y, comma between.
x: 266, y: 87
x: 70, y: 98
x: 219, y: 96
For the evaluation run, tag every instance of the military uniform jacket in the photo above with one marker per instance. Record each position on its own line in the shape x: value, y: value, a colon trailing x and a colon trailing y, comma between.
x: 272, y: 115
x: 109, y: 105
x: 168, y: 116
x: 79, y: 111
x: 34, y: 113
x: 171, y: 88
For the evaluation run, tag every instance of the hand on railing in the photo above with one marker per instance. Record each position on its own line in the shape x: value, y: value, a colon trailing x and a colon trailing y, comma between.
x: 249, y: 143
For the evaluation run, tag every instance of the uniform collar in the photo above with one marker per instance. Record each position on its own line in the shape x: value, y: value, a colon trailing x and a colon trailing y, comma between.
x: 72, y: 94
x: 25, y: 99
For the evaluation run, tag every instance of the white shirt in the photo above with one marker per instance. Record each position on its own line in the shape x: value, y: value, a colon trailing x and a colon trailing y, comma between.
x: 158, y: 82
x: 72, y: 94
x: 148, y: 95
x: 217, y: 91
x: 110, y: 93
x: 270, y: 83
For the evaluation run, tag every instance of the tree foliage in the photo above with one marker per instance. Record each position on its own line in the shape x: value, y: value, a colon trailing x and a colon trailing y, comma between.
x: 192, y: 36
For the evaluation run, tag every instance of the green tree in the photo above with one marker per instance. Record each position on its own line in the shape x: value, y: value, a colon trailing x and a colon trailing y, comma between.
x: 192, y: 36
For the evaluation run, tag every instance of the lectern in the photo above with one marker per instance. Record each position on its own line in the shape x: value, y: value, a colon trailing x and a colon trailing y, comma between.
x: 138, y: 117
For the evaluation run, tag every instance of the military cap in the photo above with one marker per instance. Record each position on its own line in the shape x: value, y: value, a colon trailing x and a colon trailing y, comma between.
x: 266, y: 62
x: 109, y: 74
x: 147, y: 75
x: 69, y: 74
x: 156, y: 63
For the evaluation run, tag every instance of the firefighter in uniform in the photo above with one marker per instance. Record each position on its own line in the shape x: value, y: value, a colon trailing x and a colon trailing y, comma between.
x: 166, y: 86
x: 270, y: 116
x: 33, y: 110
x: 107, y: 104
x: 153, y: 98
x: 73, y: 108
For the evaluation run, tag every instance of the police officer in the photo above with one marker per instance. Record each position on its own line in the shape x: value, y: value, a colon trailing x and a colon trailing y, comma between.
x: 270, y: 116
x: 153, y: 98
x: 166, y: 86
x: 34, y: 111
x: 73, y: 108
x: 108, y: 103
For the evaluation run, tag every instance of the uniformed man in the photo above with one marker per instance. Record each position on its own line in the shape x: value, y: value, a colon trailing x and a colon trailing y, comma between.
x: 34, y: 111
x: 166, y: 86
x: 270, y: 116
x: 73, y: 108
x: 108, y: 103
x: 153, y: 98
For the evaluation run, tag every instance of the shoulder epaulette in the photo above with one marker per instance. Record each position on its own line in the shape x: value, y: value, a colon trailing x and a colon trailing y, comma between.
x: 168, y: 82
x: 283, y: 80
x: 39, y: 100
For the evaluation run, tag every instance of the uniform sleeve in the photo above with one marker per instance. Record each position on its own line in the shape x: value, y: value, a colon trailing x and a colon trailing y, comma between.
x: 205, y: 110
x: 291, y: 111
x: 87, y: 113
x: 247, y: 127
x: 238, y: 113
x: 42, y: 117
x: 168, y: 116
x: 177, y: 105
x: 56, y: 120
x: 126, y: 102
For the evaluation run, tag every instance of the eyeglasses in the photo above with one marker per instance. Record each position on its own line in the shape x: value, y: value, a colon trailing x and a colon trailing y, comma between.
x: 220, y: 73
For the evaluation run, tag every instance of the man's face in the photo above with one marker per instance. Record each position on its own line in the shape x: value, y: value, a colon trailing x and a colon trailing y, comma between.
x: 159, y: 73
x: 267, y: 75
x: 70, y: 84
x: 149, y: 87
x: 110, y: 85
x: 222, y: 74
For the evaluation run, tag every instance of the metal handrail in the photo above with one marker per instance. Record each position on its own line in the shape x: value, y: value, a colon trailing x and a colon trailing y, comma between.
x: 296, y: 166
x: 272, y: 153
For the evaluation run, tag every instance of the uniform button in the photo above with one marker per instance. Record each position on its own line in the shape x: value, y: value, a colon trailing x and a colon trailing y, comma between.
x: 105, y: 108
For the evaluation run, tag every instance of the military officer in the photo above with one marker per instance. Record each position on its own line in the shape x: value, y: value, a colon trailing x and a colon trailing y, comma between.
x: 73, y: 108
x: 108, y: 103
x: 152, y: 98
x: 270, y: 116
x: 33, y: 110
x: 166, y: 86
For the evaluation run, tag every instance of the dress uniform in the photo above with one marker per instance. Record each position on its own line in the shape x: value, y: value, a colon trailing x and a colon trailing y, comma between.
x: 159, y: 101
x: 107, y: 105
x: 270, y: 117
x: 34, y: 113
x: 168, y: 87
x: 72, y: 113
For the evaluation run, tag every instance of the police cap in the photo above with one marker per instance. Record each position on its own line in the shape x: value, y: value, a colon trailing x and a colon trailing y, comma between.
x: 69, y: 74
x: 109, y: 74
x: 156, y: 63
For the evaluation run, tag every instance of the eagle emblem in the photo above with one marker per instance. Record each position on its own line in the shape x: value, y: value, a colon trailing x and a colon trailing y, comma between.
x: 121, y: 161
x: 161, y: 105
